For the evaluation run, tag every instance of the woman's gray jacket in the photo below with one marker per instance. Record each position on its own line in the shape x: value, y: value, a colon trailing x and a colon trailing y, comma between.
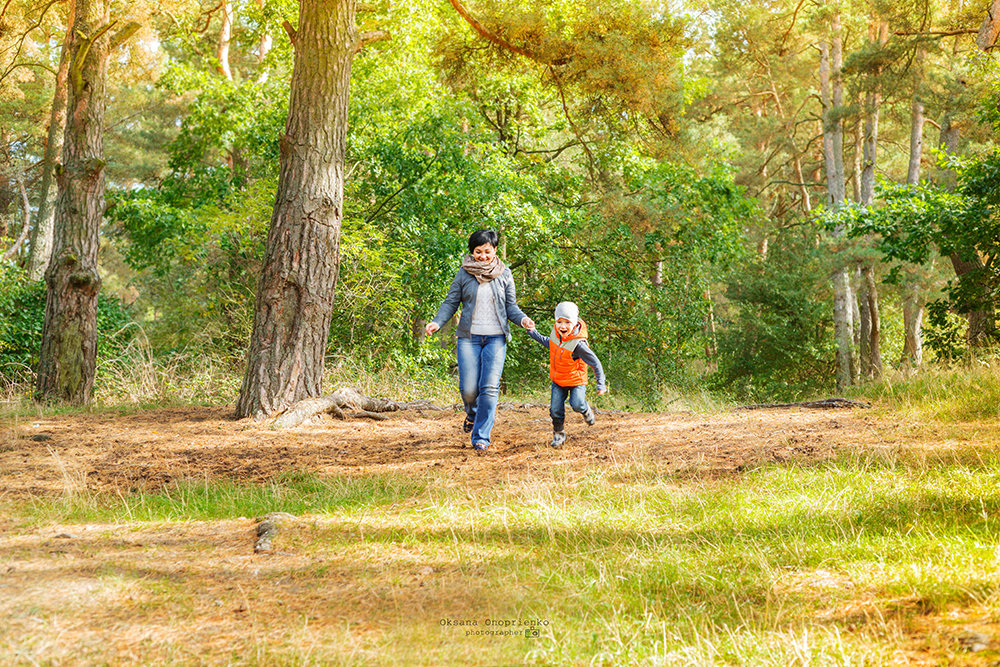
x: 464, y: 289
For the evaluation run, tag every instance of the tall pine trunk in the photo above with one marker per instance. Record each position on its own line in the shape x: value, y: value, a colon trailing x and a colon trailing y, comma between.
x: 832, y: 95
x: 41, y: 235
x: 912, y: 296
x: 871, y: 357
x: 69, y: 335
x: 295, y: 295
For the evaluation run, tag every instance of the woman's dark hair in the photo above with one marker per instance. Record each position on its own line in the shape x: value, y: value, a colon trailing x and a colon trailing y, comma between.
x: 482, y: 237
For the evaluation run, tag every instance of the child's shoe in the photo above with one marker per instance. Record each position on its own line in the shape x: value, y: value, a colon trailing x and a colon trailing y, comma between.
x: 468, y: 424
x: 589, y: 417
x: 558, y: 438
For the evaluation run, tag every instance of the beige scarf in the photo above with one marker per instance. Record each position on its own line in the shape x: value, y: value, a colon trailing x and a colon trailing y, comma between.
x: 484, y: 273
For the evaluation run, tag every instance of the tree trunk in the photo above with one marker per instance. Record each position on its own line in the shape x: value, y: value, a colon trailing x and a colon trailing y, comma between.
x: 913, y: 306
x: 875, y: 325
x: 871, y: 361
x: 263, y: 47
x: 69, y: 335
x: 982, y: 320
x: 987, y: 37
x: 913, y: 338
x: 864, y: 339
x: 831, y: 93
x: 295, y: 295
x: 25, y: 221
x: 225, y: 37
x: 41, y: 235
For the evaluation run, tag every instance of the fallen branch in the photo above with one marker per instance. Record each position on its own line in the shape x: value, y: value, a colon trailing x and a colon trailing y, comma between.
x: 825, y: 404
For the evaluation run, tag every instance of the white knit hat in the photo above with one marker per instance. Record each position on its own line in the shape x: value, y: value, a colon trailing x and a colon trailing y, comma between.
x: 568, y: 310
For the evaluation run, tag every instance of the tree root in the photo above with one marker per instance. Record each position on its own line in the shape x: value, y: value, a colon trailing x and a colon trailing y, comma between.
x: 348, y: 402
x: 336, y: 404
x: 825, y: 404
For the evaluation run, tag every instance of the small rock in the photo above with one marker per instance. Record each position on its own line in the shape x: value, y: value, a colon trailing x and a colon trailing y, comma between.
x: 975, y: 641
x: 40, y: 437
x: 67, y: 536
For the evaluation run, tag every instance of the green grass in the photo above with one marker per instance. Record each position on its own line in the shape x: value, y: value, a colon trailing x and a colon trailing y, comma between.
x: 769, y: 568
x: 966, y: 392
x: 186, y: 501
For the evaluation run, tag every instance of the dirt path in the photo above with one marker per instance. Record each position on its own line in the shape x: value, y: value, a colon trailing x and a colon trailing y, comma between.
x: 105, y: 452
x: 195, y: 592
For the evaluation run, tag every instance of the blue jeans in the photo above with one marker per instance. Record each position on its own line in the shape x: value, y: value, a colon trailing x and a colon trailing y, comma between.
x: 480, y: 364
x: 557, y: 405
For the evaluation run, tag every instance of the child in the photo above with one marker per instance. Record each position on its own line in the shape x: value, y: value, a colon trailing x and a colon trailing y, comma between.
x: 569, y: 356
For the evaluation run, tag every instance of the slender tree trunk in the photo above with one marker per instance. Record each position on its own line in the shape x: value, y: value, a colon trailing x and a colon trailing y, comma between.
x: 41, y: 235
x: 295, y: 295
x: 913, y: 338
x: 25, y: 221
x: 874, y: 324
x: 912, y: 297
x: 225, y: 37
x: 263, y: 48
x: 871, y: 361
x: 831, y: 93
x: 69, y: 335
x: 864, y: 334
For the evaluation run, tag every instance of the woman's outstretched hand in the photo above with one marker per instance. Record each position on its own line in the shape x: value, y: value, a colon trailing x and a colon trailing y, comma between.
x: 528, y: 323
x: 431, y: 328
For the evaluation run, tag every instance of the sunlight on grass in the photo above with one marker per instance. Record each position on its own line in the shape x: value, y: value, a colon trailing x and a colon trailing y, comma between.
x: 950, y: 394
x: 823, y: 564
x: 192, y: 500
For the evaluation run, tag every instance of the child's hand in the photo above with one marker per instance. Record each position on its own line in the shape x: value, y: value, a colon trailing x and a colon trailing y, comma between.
x: 602, y: 391
x: 431, y: 328
x: 528, y: 324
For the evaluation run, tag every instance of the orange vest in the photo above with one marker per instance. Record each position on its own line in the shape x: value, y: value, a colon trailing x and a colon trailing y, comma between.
x: 564, y: 370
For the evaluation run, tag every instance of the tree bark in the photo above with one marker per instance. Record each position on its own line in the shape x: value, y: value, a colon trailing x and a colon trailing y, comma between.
x: 263, y: 47
x: 912, y: 297
x: 987, y: 37
x: 69, y: 335
x: 25, y: 221
x: 295, y: 295
x: 225, y: 37
x: 41, y: 235
x: 870, y: 351
x: 831, y: 93
x: 982, y: 320
x: 913, y: 338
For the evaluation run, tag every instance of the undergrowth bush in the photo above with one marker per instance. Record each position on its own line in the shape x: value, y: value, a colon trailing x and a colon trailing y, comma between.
x: 22, y: 316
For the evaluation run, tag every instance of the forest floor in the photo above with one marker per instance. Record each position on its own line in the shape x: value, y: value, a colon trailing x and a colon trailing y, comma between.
x: 147, y: 450
x: 120, y: 592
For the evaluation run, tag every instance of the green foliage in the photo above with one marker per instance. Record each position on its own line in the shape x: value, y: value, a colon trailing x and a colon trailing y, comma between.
x: 776, y: 335
x: 911, y: 223
x: 22, y: 316
x: 944, y: 333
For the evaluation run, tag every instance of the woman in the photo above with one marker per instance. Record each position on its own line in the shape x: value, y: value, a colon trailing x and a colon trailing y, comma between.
x: 485, y: 288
